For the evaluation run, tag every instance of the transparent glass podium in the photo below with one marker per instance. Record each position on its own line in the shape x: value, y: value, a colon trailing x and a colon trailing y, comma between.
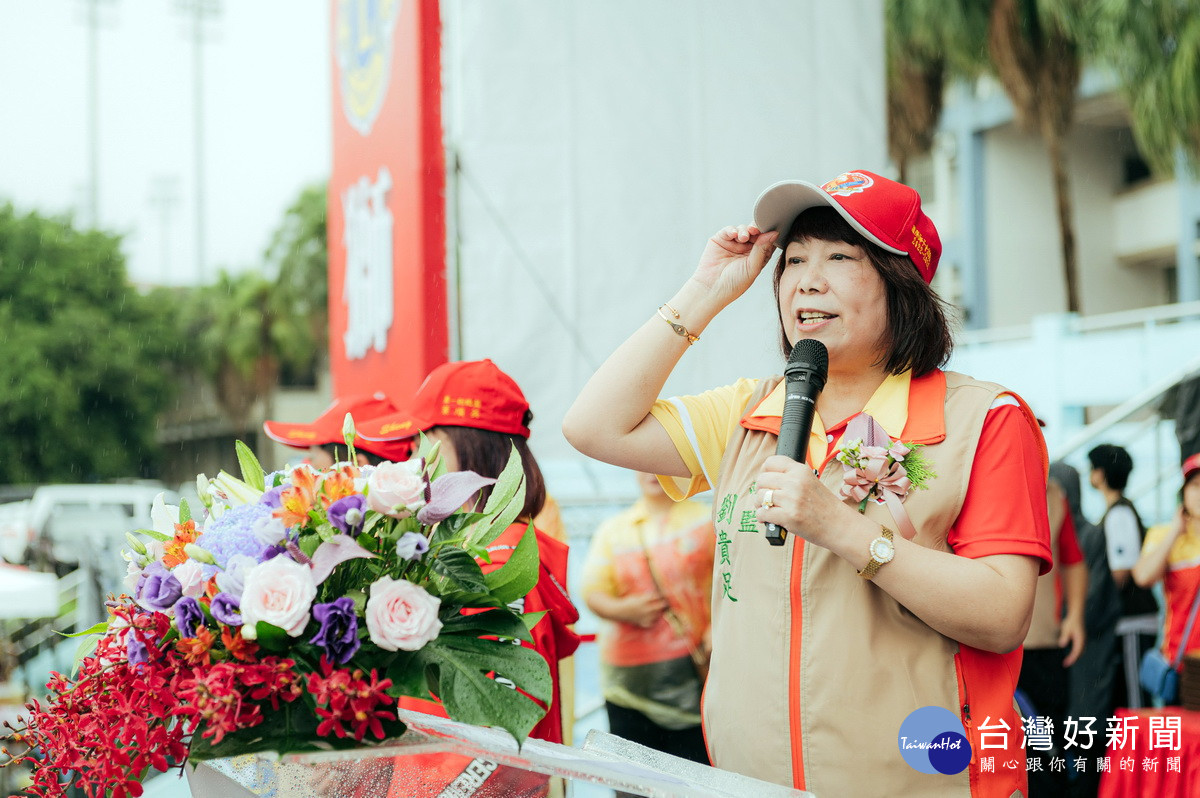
x: 439, y: 758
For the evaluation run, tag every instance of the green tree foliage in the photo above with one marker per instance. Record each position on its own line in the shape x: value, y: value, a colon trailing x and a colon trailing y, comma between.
x: 1154, y: 46
x: 245, y: 330
x: 928, y: 42
x: 84, y: 357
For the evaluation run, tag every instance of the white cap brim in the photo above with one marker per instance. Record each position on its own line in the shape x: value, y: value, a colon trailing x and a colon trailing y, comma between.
x: 778, y: 206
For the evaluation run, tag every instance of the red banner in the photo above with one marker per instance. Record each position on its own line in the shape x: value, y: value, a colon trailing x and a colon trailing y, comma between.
x: 387, y: 288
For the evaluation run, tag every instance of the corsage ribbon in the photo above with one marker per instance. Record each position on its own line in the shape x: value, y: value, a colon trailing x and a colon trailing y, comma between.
x: 877, y: 467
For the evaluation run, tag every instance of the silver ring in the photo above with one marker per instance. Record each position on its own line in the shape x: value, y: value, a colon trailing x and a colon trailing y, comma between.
x: 767, y: 496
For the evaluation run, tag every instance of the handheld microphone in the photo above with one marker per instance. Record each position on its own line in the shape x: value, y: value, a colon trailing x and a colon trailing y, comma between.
x: 805, y: 374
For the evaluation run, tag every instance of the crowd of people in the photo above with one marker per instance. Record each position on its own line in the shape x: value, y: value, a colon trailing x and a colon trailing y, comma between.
x: 934, y: 558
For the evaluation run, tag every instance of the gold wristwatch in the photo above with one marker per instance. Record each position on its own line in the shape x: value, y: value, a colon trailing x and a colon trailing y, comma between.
x: 882, y: 551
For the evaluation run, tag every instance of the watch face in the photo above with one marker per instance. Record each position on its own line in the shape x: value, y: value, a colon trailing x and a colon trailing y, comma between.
x: 882, y: 549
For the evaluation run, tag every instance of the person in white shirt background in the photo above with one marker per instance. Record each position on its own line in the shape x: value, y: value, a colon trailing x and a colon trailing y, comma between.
x: 1123, y: 533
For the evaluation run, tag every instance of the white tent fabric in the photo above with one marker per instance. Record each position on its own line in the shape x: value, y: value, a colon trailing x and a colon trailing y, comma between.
x: 593, y: 149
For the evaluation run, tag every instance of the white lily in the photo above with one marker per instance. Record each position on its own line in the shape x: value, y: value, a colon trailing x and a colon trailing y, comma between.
x: 164, y: 516
x: 232, y: 490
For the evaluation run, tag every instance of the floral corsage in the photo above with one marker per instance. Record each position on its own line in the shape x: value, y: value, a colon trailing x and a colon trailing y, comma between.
x: 876, y: 467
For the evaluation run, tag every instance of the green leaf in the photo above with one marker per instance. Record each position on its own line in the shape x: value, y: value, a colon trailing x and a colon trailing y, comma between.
x: 471, y: 696
x: 459, y: 567
x: 501, y: 516
x: 507, y: 483
x: 498, y: 623
x: 96, y: 629
x: 519, y: 575
x: 270, y: 637
x: 185, y: 512
x: 530, y: 619
x: 150, y: 533
x: 252, y: 472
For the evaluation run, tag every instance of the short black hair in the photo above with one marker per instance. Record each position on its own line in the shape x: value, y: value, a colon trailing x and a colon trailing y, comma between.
x: 1114, y: 463
x: 918, y: 334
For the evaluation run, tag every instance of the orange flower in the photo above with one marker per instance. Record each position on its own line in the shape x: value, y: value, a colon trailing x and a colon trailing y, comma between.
x: 338, y: 485
x: 238, y: 646
x: 173, y: 549
x: 197, y: 650
x: 296, y: 501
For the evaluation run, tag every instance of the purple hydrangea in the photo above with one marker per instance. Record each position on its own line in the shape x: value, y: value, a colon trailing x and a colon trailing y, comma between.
x: 347, y: 513
x: 188, y: 616
x: 233, y: 533
x: 338, y: 636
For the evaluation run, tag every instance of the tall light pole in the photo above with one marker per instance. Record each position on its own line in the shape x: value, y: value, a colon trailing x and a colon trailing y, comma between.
x: 92, y: 20
x: 164, y: 197
x: 198, y: 11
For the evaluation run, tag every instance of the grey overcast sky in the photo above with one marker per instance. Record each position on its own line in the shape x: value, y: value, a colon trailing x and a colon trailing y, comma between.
x: 266, y: 122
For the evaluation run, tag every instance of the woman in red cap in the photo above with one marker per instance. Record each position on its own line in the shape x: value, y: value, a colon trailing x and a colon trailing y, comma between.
x: 1171, y: 552
x: 876, y: 651
x: 479, y: 414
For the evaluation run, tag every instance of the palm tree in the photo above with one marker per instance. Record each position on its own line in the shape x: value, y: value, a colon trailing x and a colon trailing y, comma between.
x: 1034, y: 49
x: 928, y: 42
x: 244, y: 340
x: 1154, y: 45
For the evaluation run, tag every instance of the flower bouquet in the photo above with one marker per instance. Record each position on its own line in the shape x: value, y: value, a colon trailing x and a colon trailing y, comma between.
x: 291, y: 617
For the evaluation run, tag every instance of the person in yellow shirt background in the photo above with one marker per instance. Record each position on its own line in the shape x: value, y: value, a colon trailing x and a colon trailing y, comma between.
x: 1171, y: 552
x: 648, y: 575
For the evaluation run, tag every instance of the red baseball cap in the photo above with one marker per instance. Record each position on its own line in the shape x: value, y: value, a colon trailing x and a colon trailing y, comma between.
x: 887, y: 213
x: 327, y: 428
x: 1191, y: 466
x: 469, y: 393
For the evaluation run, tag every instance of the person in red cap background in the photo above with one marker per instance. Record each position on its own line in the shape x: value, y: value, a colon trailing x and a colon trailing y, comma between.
x: 1171, y: 552
x: 479, y: 414
x: 876, y: 651
x: 323, y: 438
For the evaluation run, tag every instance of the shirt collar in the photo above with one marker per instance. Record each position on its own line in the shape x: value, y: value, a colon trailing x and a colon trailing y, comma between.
x: 889, y: 405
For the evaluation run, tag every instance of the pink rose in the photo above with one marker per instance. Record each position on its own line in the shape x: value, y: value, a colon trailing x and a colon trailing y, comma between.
x: 401, y: 615
x: 396, y: 489
x: 191, y: 577
x: 280, y: 592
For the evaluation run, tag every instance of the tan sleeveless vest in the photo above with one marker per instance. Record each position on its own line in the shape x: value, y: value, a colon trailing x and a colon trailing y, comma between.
x: 862, y: 662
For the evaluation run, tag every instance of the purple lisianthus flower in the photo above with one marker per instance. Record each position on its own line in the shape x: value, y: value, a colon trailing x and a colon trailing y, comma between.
x: 233, y: 533
x: 188, y: 616
x: 339, y: 629
x: 158, y: 589
x: 226, y: 609
x: 347, y: 513
x: 412, y: 545
x: 135, y: 649
x: 271, y: 498
x: 232, y: 579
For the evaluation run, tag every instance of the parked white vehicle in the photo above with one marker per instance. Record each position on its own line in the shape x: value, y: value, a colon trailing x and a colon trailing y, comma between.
x: 16, y: 532
x: 70, y: 522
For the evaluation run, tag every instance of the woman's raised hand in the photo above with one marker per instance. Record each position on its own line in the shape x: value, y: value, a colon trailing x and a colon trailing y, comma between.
x: 732, y: 260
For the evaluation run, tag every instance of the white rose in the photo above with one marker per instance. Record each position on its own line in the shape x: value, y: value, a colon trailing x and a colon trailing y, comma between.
x: 280, y: 592
x: 396, y: 489
x: 401, y: 615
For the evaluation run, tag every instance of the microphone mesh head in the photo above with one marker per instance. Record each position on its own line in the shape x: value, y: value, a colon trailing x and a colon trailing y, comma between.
x: 809, y: 355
